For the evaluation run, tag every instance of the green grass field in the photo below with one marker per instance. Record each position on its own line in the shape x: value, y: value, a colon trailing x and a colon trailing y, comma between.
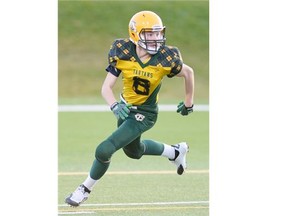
x: 86, y: 29
x: 147, y: 181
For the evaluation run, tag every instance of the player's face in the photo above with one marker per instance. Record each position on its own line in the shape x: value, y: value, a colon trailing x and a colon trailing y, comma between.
x: 151, y: 38
x: 153, y: 35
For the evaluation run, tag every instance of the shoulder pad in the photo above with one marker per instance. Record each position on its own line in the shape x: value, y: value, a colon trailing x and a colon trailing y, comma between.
x: 171, y: 57
x: 120, y: 49
x: 173, y: 51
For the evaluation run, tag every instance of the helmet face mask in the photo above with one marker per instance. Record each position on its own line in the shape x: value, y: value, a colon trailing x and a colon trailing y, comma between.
x: 147, y: 31
x: 152, y: 39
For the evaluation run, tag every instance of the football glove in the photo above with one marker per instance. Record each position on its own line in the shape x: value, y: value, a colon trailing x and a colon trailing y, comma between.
x: 120, y: 110
x: 183, y: 110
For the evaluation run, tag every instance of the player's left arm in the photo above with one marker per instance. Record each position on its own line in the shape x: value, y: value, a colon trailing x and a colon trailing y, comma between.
x: 188, y: 74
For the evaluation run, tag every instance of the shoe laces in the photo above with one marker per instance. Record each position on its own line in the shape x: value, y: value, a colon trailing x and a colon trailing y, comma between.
x: 82, y: 189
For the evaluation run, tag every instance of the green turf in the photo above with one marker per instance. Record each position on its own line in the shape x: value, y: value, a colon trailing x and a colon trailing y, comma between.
x: 79, y: 134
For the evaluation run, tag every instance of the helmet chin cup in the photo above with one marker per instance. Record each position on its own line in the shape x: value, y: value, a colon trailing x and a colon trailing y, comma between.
x: 152, y: 52
x: 150, y: 48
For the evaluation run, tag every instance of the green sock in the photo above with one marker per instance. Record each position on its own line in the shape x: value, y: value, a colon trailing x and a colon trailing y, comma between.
x: 153, y: 147
x: 98, y: 169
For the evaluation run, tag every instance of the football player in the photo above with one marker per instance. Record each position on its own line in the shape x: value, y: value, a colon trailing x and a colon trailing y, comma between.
x: 143, y: 61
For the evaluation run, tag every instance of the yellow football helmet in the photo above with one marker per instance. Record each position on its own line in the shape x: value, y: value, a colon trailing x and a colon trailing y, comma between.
x: 146, y: 30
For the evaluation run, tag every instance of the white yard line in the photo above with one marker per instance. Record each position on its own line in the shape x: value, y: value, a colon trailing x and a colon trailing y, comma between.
x: 117, y: 209
x: 141, y: 204
x: 84, y: 209
x: 105, y: 108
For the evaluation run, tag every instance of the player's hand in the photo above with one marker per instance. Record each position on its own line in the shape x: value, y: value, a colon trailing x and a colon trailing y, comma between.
x: 183, y: 110
x: 120, y: 110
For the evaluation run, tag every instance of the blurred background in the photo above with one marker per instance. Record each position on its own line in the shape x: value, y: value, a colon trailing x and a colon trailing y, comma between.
x: 86, y: 29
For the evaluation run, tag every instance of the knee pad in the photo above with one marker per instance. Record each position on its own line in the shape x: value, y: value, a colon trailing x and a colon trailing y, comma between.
x: 134, y: 154
x: 105, y: 151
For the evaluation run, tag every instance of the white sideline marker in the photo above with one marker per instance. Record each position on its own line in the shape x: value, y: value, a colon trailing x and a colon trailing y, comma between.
x: 141, y: 204
x: 105, y: 108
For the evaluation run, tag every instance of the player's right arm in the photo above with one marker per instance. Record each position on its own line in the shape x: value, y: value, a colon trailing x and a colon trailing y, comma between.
x: 112, y: 75
x: 107, y: 89
x: 119, y: 110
